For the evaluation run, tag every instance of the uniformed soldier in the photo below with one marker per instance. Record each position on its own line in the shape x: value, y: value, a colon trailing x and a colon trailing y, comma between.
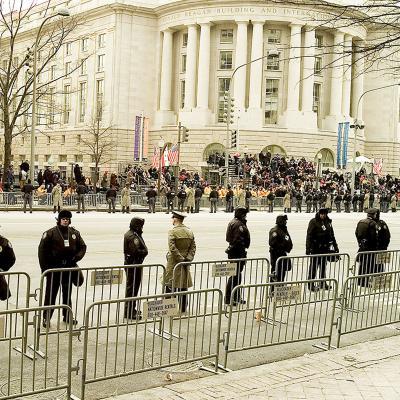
x: 241, y: 195
x: 361, y: 201
x: 57, y: 198
x: 126, y: 198
x: 61, y: 247
x: 238, y: 237
x: 170, y: 195
x: 366, y: 201
x: 309, y: 201
x: 320, y: 240
x: 7, y: 260
x: 280, y: 244
x: 287, y: 206
x: 181, y: 248
x: 135, y: 251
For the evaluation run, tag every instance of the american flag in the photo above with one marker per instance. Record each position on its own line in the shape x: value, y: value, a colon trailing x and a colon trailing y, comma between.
x: 173, y: 153
x: 155, y: 160
x: 377, y: 167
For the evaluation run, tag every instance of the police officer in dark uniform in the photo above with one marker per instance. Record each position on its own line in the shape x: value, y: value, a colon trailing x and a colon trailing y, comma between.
x: 347, y: 201
x: 383, y: 240
x: 271, y: 198
x: 299, y: 200
x: 181, y: 198
x: 309, y: 201
x: 61, y: 247
x: 248, y: 196
x: 320, y: 240
x: 361, y: 202
x: 338, y: 202
x: 238, y: 237
x: 151, y: 195
x: 7, y: 260
x: 315, y: 201
x: 198, y: 194
x: 135, y: 251
x: 170, y: 195
x: 229, y: 199
x: 280, y: 244
x: 354, y: 201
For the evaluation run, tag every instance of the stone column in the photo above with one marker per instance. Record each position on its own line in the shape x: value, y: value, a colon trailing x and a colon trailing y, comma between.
x: 337, y: 75
x: 240, y: 59
x: 347, y: 76
x: 166, y: 71
x: 203, y: 82
x: 307, y: 88
x: 358, y: 80
x: 191, y: 68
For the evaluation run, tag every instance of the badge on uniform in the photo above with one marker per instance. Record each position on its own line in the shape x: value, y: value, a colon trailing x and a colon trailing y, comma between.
x: 323, y: 227
x: 66, y: 243
x: 73, y: 236
x: 241, y: 228
x: 136, y: 241
x: 274, y: 234
x: 286, y: 237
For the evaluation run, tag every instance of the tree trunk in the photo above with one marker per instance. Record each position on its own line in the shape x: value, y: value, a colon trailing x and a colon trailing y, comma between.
x: 7, y: 152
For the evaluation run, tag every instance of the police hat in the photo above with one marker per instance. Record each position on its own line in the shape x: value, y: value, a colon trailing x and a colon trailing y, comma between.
x: 178, y: 215
x: 281, y: 218
x: 323, y: 210
x: 373, y: 212
x: 64, y: 214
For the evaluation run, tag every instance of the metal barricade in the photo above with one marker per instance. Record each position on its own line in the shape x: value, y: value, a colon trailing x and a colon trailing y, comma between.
x: 316, y: 266
x: 126, y: 348
x: 20, y: 377
x: 369, y: 301
x: 275, y: 313
x: 371, y: 262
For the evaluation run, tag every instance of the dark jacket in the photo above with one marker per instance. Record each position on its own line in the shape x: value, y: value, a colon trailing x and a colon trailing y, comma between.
x: 198, y: 193
x: 27, y: 189
x: 81, y: 189
x: 151, y: 193
x: 383, y: 235
x: 111, y: 193
x: 367, y: 235
x: 213, y: 194
x: 280, y: 242
x: 320, y: 236
x: 135, y: 249
x: 238, y: 237
x: 7, y: 256
x: 52, y: 252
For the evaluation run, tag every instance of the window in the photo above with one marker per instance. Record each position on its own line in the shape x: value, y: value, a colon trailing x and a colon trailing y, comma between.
x: 317, y: 97
x: 319, y: 41
x: 22, y: 140
x: 83, y: 69
x: 185, y: 40
x: 226, y: 36
x: 318, y: 66
x: 82, y: 101
x: 78, y: 138
x: 271, y: 101
x: 182, y: 98
x: 223, y: 87
x: 66, y: 103
x: 67, y: 67
x: 225, y: 60
x: 99, y: 98
x: 100, y: 62
x: 68, y: 48
x: 84, y: 44
x: 53, y: 72
x: 183, y: 63
x: 101, y: 40
x: 47, y: 157
x: 62, y: 158
x: 274, y: 35
x: 273, y: 62
x: 78, y: 158
x: 63, y: 141
x: 52, y: 106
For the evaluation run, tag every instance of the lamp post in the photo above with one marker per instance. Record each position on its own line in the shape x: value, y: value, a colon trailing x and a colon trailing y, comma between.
x: 63, y: 13
x: 359, y: 125
x: 319, y: 158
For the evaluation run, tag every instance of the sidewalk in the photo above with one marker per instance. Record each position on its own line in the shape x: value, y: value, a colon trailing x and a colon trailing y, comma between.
x: 363, y: 371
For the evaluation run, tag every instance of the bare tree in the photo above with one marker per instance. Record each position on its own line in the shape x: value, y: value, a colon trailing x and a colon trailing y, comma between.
x: 16, y: 80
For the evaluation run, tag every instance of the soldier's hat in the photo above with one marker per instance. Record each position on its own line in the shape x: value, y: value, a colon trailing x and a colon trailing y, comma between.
x: 371, y: 212
x: 64, y: 214
x: 178, y: 215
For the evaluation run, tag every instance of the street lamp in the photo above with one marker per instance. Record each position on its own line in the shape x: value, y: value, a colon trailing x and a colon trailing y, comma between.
x: 62, y: 12
x: 359, y: 125
x: 161, y: 146
x: 319, y: 159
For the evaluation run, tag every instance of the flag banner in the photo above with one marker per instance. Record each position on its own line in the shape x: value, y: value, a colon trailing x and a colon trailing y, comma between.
x: 377, y: 166
x: 345, y: 144
x: 339, y: 146
x: 173, y: 155
x: 137, y: 139
x: 155, y: 158
x: 145, y: 139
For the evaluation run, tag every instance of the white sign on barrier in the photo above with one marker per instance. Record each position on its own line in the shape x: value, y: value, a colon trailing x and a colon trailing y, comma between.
x: 161, y: 308
x: 221, y: 270
x: 2, y: 327
x: 380, y: 282
x: 383, y: 258
x: 287, y: 292
x: 106, y: 277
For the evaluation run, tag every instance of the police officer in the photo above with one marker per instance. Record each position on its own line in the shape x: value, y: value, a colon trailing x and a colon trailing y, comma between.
x: 299, y: 200
x: 315, y: 201
x: 347, y: 201
x: 170, y: 195
x: 271, y: 198
x: 229, y: 199
x: 181, y: 248
x: 135, y: 251
x: 198, y: 194
x: 309, y: 201
x: 61, y: 247
x: 238, y: 237
x: 280, y: 244
x: 320, y: 240
x: 354, y: 201
x: 338, y: 202
x: 181, y: 198
x: 151, y: 199
x: 7, y: 260
x: 248, y: 196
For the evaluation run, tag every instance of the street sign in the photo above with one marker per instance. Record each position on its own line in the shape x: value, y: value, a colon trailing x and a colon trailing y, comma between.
x: 160, y: 308
x: 287, y: 293
x: 106, y: 277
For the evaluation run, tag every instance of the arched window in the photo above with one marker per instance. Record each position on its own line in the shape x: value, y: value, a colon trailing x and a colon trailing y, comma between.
x: 212, y: 149
x: 274, y: 149
x: 327, y: 158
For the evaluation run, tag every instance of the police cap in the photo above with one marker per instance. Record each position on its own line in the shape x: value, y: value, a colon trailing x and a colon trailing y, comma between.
x: 178, y: 215
x: 64, y: 214
x: 323, y: 210
x: 282, y: 218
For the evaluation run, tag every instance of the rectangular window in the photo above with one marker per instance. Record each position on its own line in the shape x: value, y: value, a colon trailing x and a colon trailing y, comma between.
x: 68, y: 48
x: 183, y: 63
x: 78, y: 138
x: 67, y: 67
x: 185, y: 37
x: 274, y: 35
x: 78, y: 158
x: 319, y: 41
x: 100, y: 62
x: 273, y: 62
x: 84, y: 44
x: 53, y: 72
x: 101, y: 40
x: 83, y: 69
x: 82, y: 101
x: 223, y: 87
x: 63, y: 140
x: 99, y: 98
x: 66, y: 103
x: 182, y: 98
x: 62, y: 158
x: 317, y: 98
x: 271, y: 101
x: 318, y: 66
x: 48, y: 140
x: 226, y: 36
x: 52, y: 106
x: 225, y: 60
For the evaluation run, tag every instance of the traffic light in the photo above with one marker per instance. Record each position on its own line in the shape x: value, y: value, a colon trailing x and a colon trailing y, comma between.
x: 233, y: 139
x: 229, y: 108
x: 185, y: 134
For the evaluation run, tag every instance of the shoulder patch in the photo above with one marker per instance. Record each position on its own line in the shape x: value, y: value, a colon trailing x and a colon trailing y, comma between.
x: 241, y: 228
x: 136, y: 241
x: 274, y: 234
x: 73, y: 236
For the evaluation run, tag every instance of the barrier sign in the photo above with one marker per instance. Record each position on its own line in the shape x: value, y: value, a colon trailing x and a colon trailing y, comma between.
x: 287, y: 293
x: 220, y: 270
x: 106, y: 277
x: 160, y: 308
x: 380, y: 282
x: 383, y: 258
x: 2, y: 328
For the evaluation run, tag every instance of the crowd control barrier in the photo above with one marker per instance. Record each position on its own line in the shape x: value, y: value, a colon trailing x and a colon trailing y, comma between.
x: 371, y: 262
x: 276, y: 313
x: 127, y: 347
x: 19, y: 376
x: 370, y: 301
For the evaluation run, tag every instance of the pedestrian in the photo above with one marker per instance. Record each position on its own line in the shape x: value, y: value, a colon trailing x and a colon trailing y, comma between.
x: 309, y: 201
x: 299, y: 200
x: 61, y: 247
x: 338, y: 202
x: 248, y: 196
x: 111, y: 196
x: 320, y: 240
x: 317, y: 197
x: 229, y: 199
x: 135, y: 251
x: 347, y: 202
x: 280, y: 244
x: 190, y: 203
x: 126, y: 199
x: 271, y: 200
x: 361, y: 201
x: 366, y: 201
x: 27, y: 190
x: 213, y: 197
x: 287, y: 203
x: 170, y: 196
x: 181, y: 248
x: 7, y: 260
x: 241, y: 195
x: 198, y: 194
x: 81, y: 190
x: 181, y: 198
x: 393, y: 202
x: 238, y: 237
x: 57, y: 197
x: 354, y: 201
x: 151, y: 195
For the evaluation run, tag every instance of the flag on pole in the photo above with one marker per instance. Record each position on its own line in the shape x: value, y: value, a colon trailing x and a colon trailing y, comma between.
x: 173, y: 154
x: 155, y: 158
x: 377, y: 166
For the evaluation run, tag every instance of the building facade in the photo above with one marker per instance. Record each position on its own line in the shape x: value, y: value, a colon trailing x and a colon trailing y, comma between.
x: 292, y: 80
